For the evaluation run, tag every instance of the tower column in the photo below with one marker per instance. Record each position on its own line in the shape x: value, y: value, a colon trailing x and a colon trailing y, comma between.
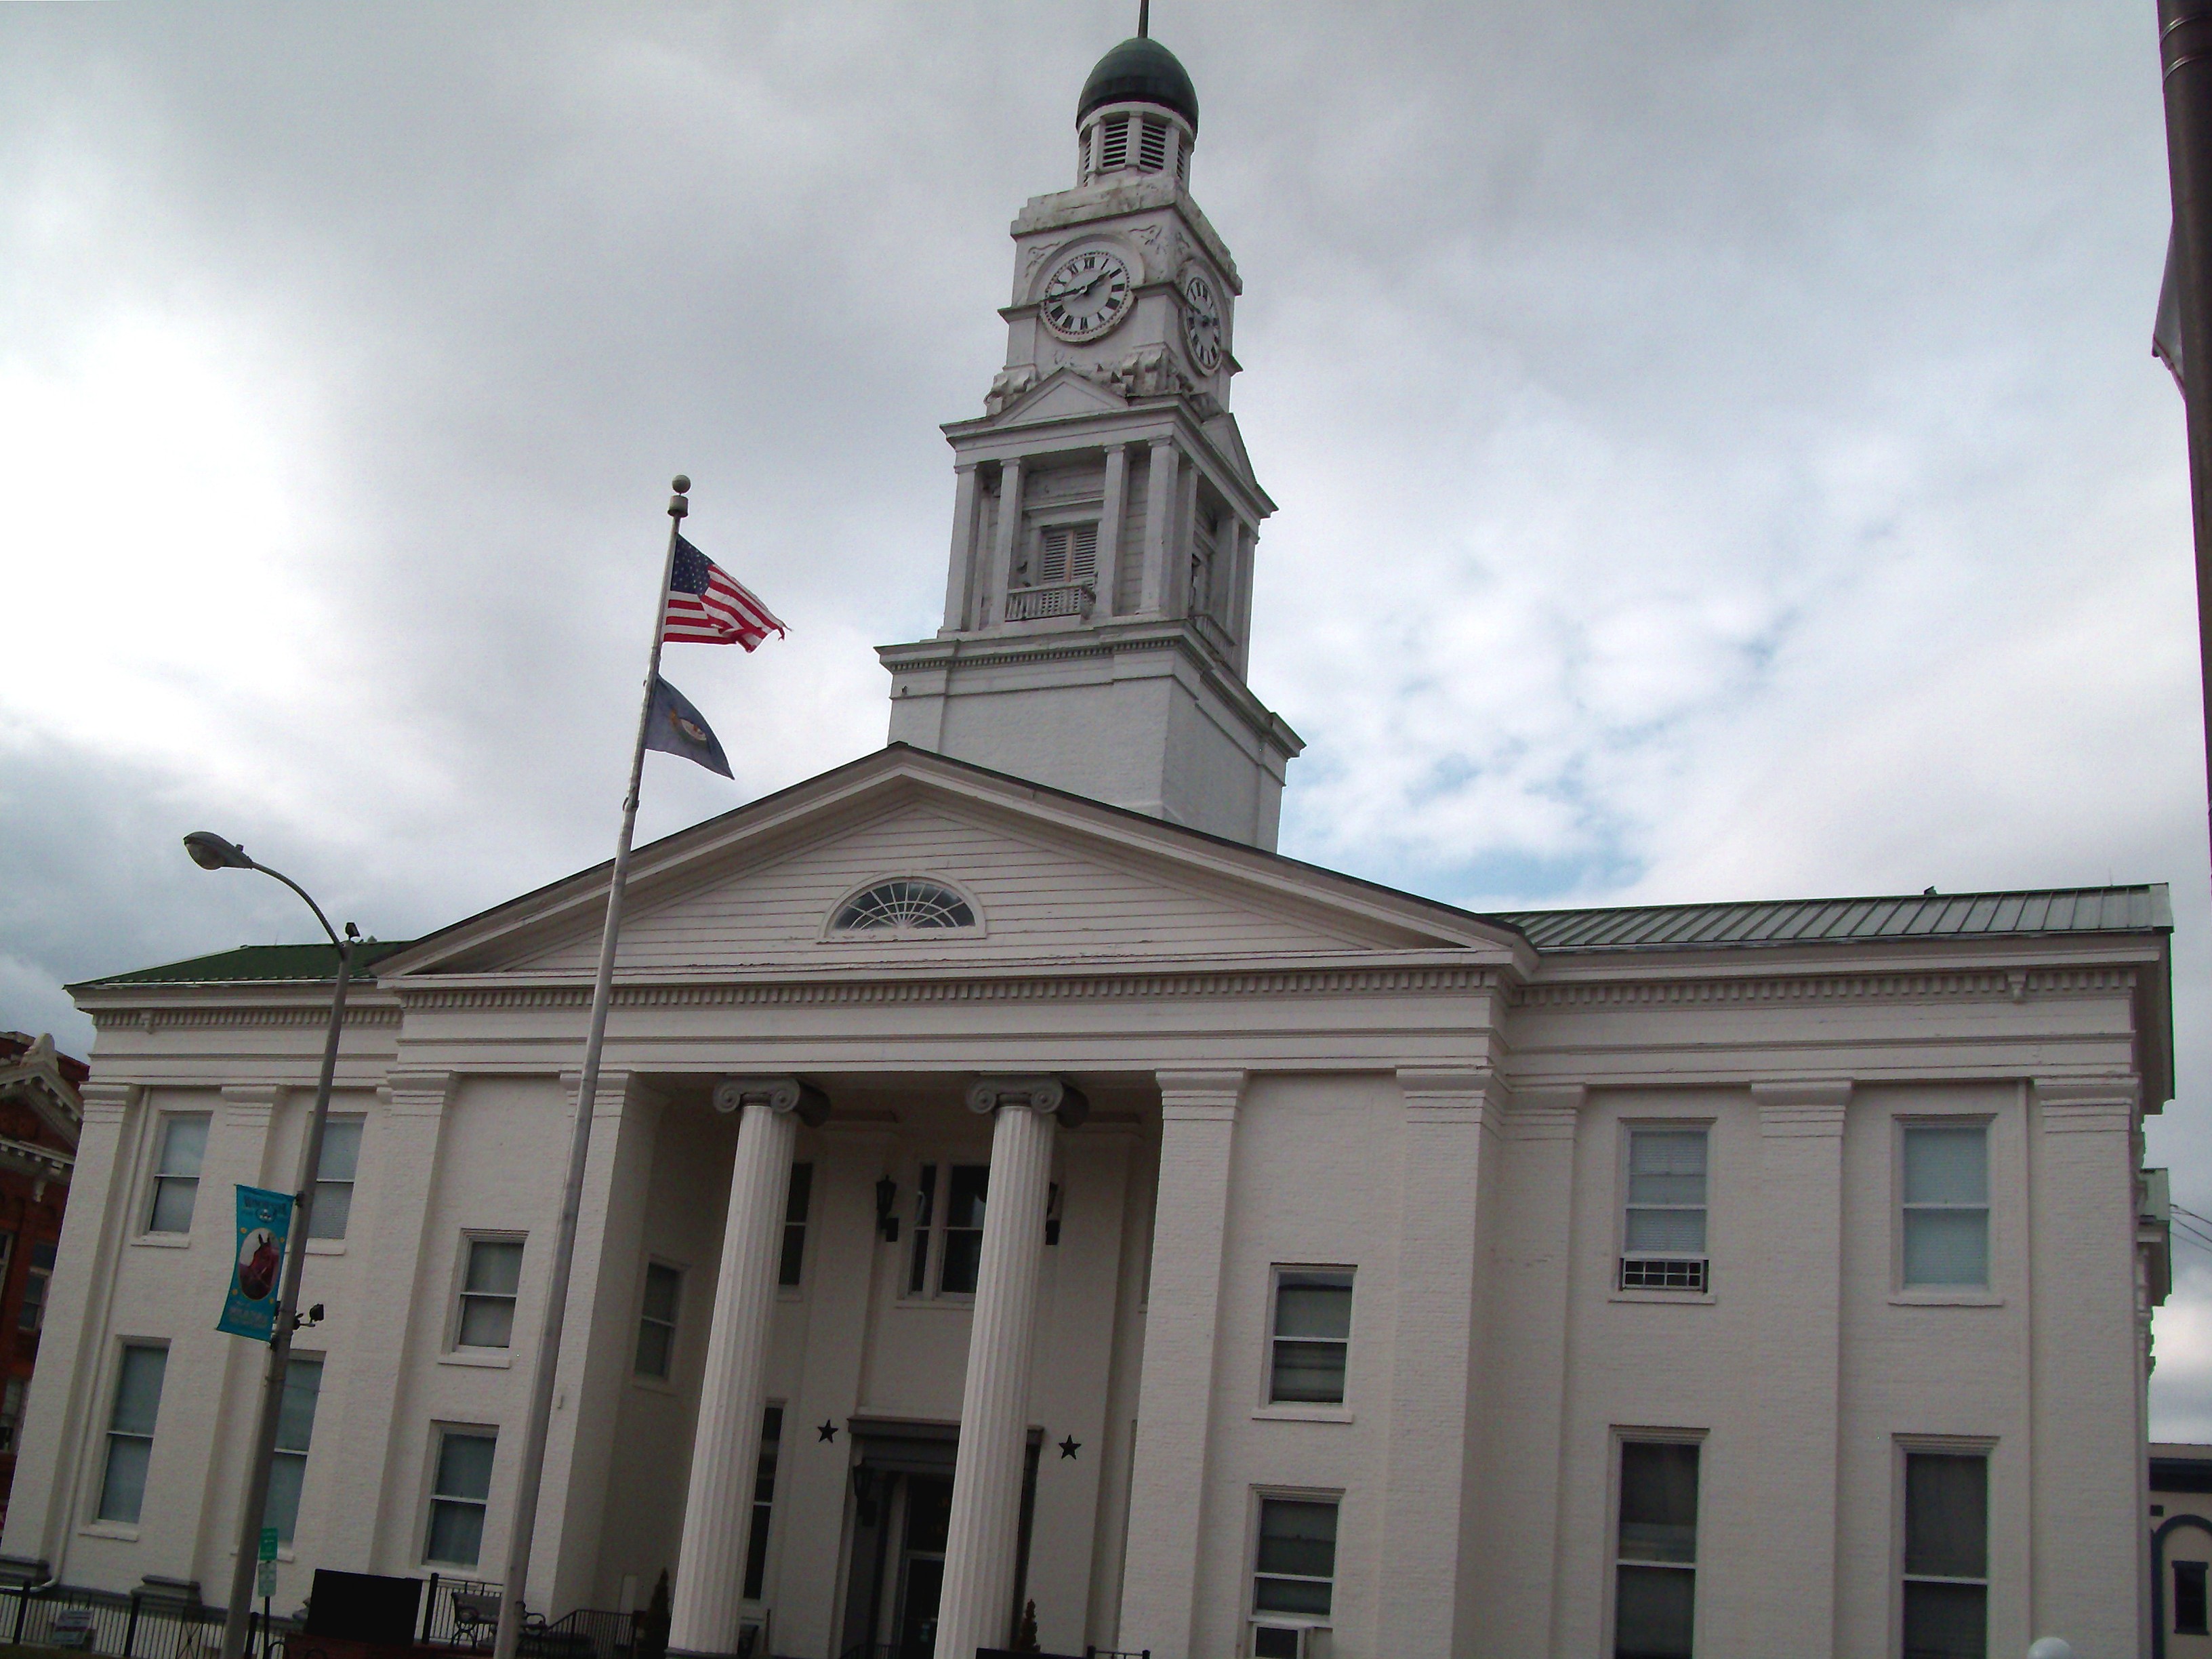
x: 1159, y: 515
x: 960, y: 580
x: 1111, y: 514
x: 726, y: 1447
x: 994, y: 608
x: 984, y: 1532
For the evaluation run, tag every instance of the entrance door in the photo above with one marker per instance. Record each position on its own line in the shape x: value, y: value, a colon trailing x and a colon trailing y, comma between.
x: 921, y: 1565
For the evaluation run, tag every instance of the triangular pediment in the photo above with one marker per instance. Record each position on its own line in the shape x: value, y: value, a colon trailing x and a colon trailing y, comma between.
x: 1053, y: 879
x: 1062, y: 395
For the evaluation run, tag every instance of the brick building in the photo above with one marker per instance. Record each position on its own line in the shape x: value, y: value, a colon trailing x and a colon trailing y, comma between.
x: 39, y: 1112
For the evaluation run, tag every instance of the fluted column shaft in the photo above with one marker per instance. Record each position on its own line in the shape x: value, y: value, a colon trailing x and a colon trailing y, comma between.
x: 983, y: 1538
x: 725, y: 1448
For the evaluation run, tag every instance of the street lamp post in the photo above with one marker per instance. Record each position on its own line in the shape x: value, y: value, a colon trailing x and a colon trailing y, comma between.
x: 212, y: 852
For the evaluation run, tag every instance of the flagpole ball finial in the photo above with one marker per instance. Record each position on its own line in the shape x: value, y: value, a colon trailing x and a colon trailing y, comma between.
x: 680, y: 484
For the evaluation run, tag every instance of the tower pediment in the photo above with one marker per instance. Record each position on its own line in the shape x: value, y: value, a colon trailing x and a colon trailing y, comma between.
x: 1063, y: 394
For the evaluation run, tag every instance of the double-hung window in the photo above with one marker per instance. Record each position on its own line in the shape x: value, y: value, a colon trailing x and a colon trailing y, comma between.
x: 1946, y: 1555
x: 1312, y: 1336
x: 460, y: 1491
x: 656, y: 1320
x: 11, y: 1411
x: 1946, y: 1207
x: 763, y: 1499
x: 488, y: 1285
x: 334, y: 1176
x: 32, y: 1311
x: 130, y: 1432
x: 177, y: 1173
x: 791, y: 1268
x: 1662, y: 1235
x: 948, y: 1229
x: 1655, y: 1581
x: 296, y: 1427
x: 1293, y: 1572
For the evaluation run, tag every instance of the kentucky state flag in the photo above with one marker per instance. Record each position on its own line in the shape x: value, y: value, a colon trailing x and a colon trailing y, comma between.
x: 675, y: 727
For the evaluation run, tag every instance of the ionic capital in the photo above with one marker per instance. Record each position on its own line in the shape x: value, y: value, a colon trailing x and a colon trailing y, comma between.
x: 1057, y: 1095
x: 778, y: 1094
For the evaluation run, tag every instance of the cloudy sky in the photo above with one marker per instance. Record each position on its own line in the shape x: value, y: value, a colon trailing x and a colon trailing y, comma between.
x: 1716, y: 447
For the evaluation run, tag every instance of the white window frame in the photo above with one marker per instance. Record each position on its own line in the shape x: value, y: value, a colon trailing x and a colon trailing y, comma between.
x: 1254, y: 1614
x: 1900, y: 1289
x: 43, y: 1277
x: 1905, y: 1446
x: 164, y: 1125
x: 1627, y: 1435
x: 328, y: 1242
x: 1702, y: 1289
x: 440, y: 1433
x: 1271, y: 1406
x: 471, y: 1238
x: 791, y: 1288
x: 929, y: 1237
x: 674, y: 1323
x: 320, y: 1361
x: 109, y: 1434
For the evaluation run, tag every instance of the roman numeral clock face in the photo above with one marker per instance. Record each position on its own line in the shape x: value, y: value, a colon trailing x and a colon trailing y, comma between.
x: 1087, y: 295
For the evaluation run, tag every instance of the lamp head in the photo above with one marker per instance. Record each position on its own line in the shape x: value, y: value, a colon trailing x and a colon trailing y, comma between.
x: 212, y: 851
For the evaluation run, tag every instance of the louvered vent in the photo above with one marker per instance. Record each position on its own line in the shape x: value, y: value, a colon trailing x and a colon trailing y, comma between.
x: 1152, y: 146
x: 1069, y: 554
x: 1113, y: 144
x: 1182, y: 166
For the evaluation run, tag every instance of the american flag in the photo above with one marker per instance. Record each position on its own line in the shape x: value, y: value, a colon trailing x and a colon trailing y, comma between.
x: 708, y: 606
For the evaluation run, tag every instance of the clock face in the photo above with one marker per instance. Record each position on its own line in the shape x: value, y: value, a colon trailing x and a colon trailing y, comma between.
x: 1087, y: 295
x: 1201, y: 322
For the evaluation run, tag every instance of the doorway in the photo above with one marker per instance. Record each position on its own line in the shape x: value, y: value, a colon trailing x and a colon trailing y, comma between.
x: 921, y: 1565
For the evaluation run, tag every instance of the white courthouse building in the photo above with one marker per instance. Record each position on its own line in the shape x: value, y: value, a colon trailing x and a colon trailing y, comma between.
x: 1012, y: 1181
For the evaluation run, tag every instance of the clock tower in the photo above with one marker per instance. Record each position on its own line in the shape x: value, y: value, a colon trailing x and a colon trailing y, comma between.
x: 1099, y: 607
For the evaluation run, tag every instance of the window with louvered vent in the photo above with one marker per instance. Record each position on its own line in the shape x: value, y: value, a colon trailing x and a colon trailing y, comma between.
x: 1113, y: 144
x: 1182, y: 166
x: 1152, y: 146
x: 1068, y: 553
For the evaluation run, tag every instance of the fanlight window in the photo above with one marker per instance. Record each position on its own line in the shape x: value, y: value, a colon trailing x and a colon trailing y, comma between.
x: 907, y: 904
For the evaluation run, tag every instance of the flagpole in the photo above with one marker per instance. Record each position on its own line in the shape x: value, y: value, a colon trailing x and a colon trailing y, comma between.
x: 532, y: 1473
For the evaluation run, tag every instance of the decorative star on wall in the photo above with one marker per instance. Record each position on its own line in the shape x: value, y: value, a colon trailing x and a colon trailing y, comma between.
x: 827, y: 1432
x: 1070, y: 1446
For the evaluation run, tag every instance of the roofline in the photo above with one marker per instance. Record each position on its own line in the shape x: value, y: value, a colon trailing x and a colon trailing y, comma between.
x: 1146, y: 822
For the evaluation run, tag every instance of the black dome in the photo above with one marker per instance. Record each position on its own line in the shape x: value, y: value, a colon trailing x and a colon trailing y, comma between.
x: 1141, y: 71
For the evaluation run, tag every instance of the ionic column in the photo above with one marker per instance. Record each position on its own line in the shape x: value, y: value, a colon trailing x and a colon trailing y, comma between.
x: 976, y: 1608
x: 726, y: 1447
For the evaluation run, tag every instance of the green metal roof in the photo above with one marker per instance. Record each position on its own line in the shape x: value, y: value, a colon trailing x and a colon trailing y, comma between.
x: 2136, y: 910
x: 272, y: 963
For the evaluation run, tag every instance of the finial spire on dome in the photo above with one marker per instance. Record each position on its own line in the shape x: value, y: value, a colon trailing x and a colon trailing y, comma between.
x: 1144, y: 19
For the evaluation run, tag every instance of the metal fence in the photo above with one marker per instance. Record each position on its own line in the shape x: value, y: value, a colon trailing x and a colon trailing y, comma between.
x: 123, y: 1625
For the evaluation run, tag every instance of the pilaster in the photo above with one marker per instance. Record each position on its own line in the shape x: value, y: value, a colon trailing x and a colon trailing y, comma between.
x: 960, y: 577
x: 2087, y: 1475
x: 1160, y: 494
x: 1787, y: 1449
x: 596, y: 1339
x: 1111, y: 514
x: 1003, y: 544
x: 1174, y: 1406
x: 370, y: 1427
x: 56, y: 1421
x: 1425, y: 1606
x: 1527, y: 1252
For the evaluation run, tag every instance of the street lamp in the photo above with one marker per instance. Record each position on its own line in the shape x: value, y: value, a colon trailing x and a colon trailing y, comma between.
x: 212, y: 852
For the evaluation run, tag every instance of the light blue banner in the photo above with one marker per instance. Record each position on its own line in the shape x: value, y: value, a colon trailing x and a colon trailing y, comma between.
x: 264, y: 1221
